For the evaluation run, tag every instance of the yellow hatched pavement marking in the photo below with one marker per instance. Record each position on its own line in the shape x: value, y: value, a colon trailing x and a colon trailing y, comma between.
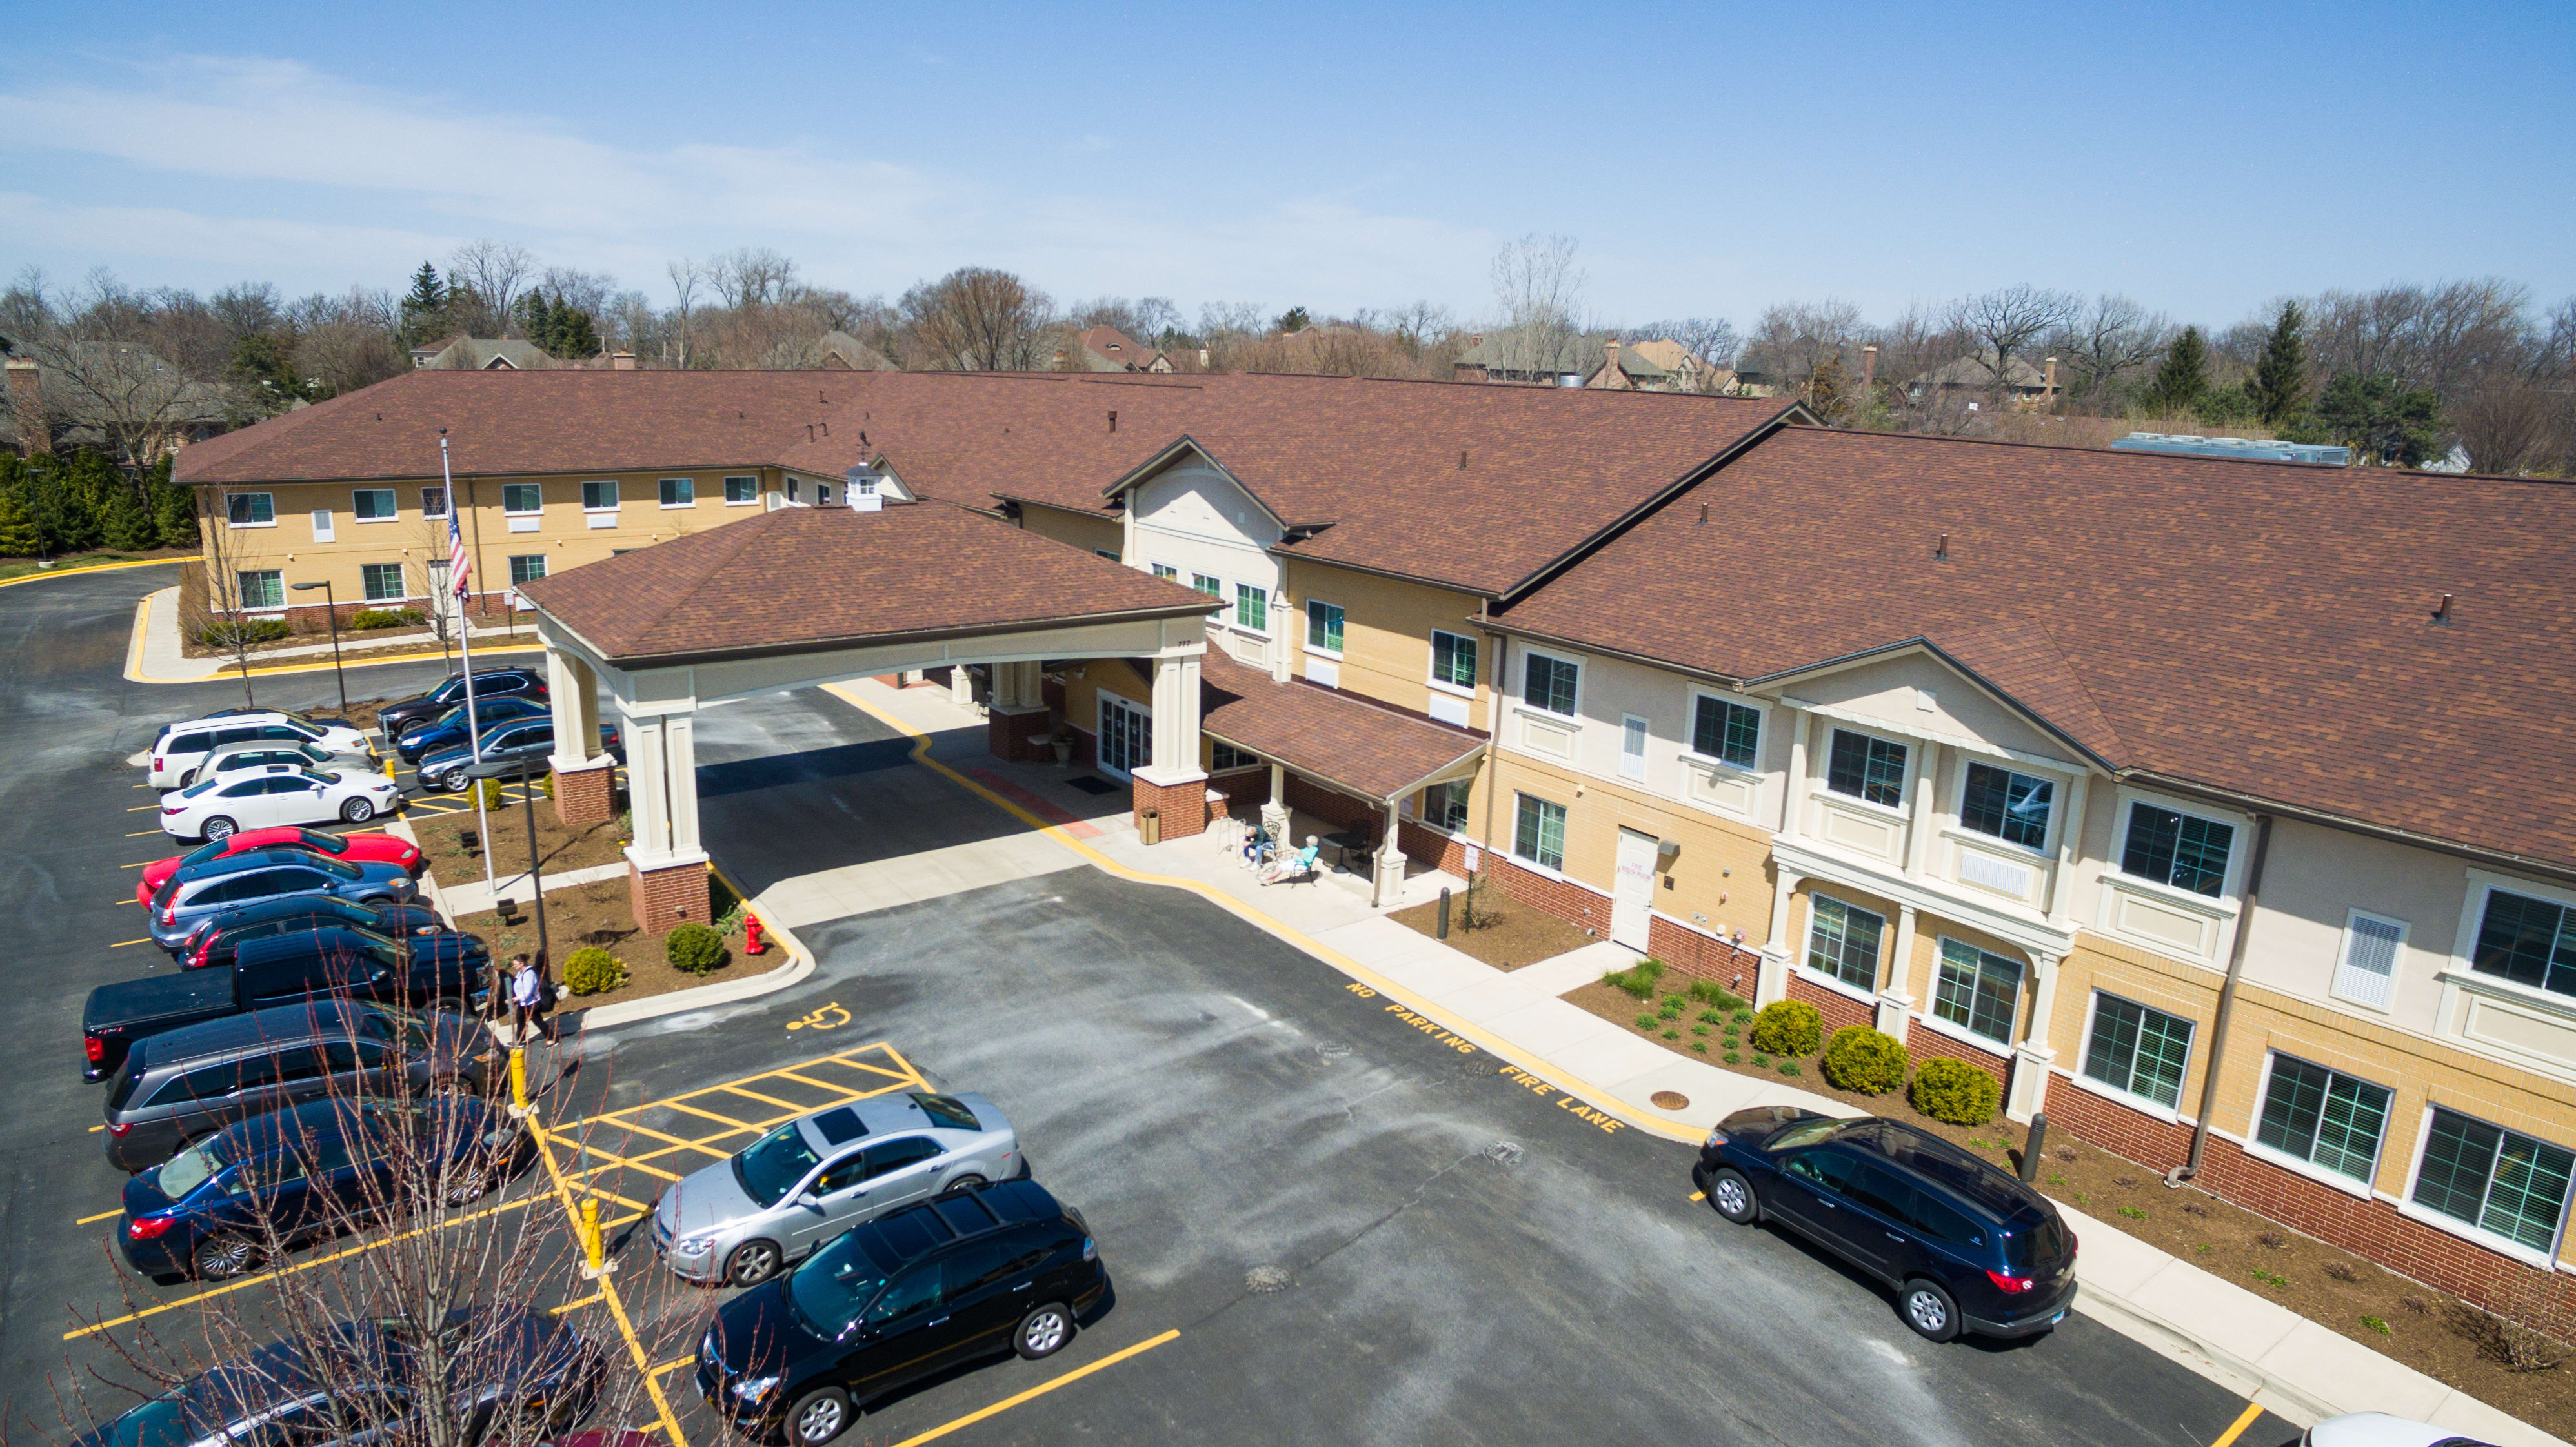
x: 791, y: 1107
x: 2237, y: 1428
x: 1042, y: 1388
x: 608, y: 1288
x: 738, y: 1126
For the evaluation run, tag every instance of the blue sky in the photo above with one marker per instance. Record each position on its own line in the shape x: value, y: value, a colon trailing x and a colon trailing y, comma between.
x: 1709, y: 161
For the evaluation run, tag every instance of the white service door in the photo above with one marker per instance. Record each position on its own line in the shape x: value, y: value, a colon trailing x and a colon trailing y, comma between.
x: 1633, y: 900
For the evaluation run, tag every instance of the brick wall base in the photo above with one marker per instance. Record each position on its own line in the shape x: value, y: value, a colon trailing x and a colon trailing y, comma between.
x: 1838, y: 1011
x: 1183, y: 806
x: 667, y: 898
x: 1703, y: 958
x: 1007, y: 735
x: 1925, y: 1044
x: 584, y: 797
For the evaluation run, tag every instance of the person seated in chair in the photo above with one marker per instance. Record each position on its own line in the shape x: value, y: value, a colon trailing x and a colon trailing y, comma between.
x: 1290, y: 866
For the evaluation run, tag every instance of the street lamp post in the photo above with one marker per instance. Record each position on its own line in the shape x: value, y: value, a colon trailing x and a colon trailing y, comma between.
x: 331, y: 606
x: 522, y: 770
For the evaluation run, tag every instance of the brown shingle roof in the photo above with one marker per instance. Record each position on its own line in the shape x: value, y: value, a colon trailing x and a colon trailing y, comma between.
x: 1339, y: 738
x: 2258, y: 628
x: 804, y: 577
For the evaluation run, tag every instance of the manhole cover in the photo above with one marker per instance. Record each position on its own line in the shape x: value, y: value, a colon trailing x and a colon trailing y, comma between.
x: 1670, y: 1100
x: 1477, y: 1066
x: 1503, y: 1153
x: 1266, y: 1279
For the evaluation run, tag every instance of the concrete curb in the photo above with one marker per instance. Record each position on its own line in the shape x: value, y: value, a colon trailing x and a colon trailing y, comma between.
x: 135, y: 648
x: 93, y: 568
x: 798, y: 965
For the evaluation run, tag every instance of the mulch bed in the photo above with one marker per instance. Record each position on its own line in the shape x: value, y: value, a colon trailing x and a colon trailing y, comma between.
x: 602, y: 913
x: 1518, y: 936
x: 2428, y: 1330
x: 450, y: 842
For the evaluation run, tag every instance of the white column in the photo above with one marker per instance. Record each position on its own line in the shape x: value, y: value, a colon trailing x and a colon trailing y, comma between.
x: 1388, y: 881
x: 1018, y: 687
x: 1793, y: 795
x: 1772, y: 983
x: 2070, y: 847
x: 1894, y: 1003
x: 1918, y: 831
x: 574, y: 691
x: 2032, y: 1057
x: 1176, y: 721
x: 680, y: 781
x: 648, y: 797
x: 1274, y: 813
x: 961, y: 686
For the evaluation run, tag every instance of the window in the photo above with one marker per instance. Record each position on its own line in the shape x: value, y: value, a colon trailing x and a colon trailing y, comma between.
x: 1226, y: 756
x: 382, y: 581
x: 1548, y: 684
x: 1110, y: 554
x: 1324, y: 625
x: 888, y: 1157
x: 2529, y: 941
x: 433, y: 502
x: 2494, y: 1179
x: 1632, y: 747
x: 1977, y: 991
x: 2138, y: 1050
x: 1539, y: 833
x: 251, y: 510
x: 1165, y: 570
x: 2368, y: 971
x: 599, y: 496
x: 1444, y: 806
x: 2012, y: 807
x: 1252, y: 607
x: 740, y: 490
x: 527, y: 568
x: 264, y: 588
x: 1867, y: 768
x: 1453, y: 660
x: 1213, y: 587
x: 679, y: 492
x: 2183, y: 850
x: 1843, y: 941
x: 321, y: 525
x: 1727, y: 732
x: 791, y: 489
x: 373, y: 504
x: 2323, y: 1118
x: 521, y: 498
x: 822, y: 494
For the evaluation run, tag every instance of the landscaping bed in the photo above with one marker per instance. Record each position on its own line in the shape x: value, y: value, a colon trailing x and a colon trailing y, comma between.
x: 450, y: 842
x: 1519, y: 935
x: 602, y: 914
x: 2429, y: 1330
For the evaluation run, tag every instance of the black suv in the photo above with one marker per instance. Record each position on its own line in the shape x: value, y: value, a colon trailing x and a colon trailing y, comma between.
x: 977, y: 1273
x: 489, y: 683
x: 1966, y: 1246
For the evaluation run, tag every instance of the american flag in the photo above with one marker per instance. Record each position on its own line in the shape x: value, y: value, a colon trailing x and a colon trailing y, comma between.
x: 460, y: 564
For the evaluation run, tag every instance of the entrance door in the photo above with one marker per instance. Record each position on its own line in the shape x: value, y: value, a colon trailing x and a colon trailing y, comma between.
x: 1634, y: 898
x: 1126, y: 736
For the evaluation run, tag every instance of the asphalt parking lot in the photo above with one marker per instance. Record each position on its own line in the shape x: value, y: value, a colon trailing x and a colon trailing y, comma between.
x: 1324, y: 1223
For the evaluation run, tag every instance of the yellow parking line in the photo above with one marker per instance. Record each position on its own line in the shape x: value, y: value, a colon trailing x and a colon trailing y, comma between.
x: 101, y: 1216
x: 138, y: 864
x: 129, y: 901
x: 711, y: 1115
x: 785, y: 1105
x: 120, y: 944
x: 139, y: 833
x: 573, y: 1306
x: 2237, y: 1428
x: 608, y: 1290
x: 139, y: 808
x: 1042, y: 1388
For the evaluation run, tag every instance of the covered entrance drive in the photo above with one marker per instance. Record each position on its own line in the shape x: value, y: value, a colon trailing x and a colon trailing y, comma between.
x: 808, y: 596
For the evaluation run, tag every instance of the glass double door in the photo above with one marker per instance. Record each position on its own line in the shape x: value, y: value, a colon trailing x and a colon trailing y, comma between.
x: 1126, y: 736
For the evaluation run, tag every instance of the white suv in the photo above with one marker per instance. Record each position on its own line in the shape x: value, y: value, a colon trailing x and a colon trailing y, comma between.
x: 177, y: 753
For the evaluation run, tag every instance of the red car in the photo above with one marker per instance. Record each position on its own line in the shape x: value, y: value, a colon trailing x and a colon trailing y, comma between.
x: 356, y: 848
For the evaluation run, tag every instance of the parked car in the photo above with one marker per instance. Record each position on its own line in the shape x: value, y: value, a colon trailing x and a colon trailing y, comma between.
x: 176, y: 754
x: 522, y: 1365
x: 1966, y: 1246
x: 233, y: 758
x: 217, y: 807
x: 2378, y: 1429
x: 786, y: 1194
x: 217, y: 940
x: 192, y: 1082
x: 489, y: 683
x: 448, y: 729
x: 1000, y: 1269
x: 449, y: 970
x: 355, y: 848
x: 522, y: 739
x: 200, y: 892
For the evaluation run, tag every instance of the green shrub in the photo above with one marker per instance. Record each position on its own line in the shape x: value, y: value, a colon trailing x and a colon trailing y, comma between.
x: 1699, y: 1029
x: 592, y: 970
x: 366, y: 618
x: 1761, y: 1059
x: 1864, y: 1060
x: 1788, y: 1027
x: 1672, y: 1034
x: 1731, y: 1057
x: 1645, y: 1022
x: 1700, y: 1045
x: 1743, y: 1016
x: 254, y: 630
x: 1712, y: 1017
x: 1709, y: 992
x: 1638, y: 979
x: 488, y: 792
x: 2133, y: 1213
x: 2378, y: 1324
x: 1671, y: 1009
x: 1788, y: 1067
x: 694, y: 949
x: 1955, y: 1091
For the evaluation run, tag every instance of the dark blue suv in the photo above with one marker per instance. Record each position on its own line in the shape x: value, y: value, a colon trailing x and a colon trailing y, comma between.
x: 1966, y: 1246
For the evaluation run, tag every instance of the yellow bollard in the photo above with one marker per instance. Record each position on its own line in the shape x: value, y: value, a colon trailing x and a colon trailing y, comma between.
x: 518, y: 1081
x: 594, y: 1247
x: 389, y: 768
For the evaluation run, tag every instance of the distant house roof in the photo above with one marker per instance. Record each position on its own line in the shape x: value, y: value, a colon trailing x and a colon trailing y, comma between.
x: 477, y: 354
x: 1976, y: 372
x: 1107, y: 349
x: 1506, y: 354
x: 845, y: 353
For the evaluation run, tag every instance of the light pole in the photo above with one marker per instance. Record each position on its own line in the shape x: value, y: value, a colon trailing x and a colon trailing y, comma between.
x: 520, y: 769
x: 331, y: 606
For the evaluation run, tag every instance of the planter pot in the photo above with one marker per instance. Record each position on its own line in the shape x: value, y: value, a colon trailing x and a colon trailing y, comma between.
x: 1063, y: 749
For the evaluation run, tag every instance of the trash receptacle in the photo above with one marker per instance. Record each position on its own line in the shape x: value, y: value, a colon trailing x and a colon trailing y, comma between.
x: 1149, y: 826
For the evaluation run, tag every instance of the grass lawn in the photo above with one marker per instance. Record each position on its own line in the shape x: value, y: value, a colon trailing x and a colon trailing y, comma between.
x: 74, y: 562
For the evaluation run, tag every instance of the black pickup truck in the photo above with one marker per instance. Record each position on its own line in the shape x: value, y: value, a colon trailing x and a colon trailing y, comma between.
x: 419, y: 969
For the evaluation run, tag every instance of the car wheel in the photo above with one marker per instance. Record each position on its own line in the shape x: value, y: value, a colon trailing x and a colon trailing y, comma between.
x: 186, y: 778
x: 968, y: 1182
x: 220, y: 827
x: 752, y: 1263
x: 1733, y: 1197
x: 221, y: 1258
x: 818, y: 1417
x: 468, y: 1184
x: 1043, y: 1332
x: 358, y: 811
x: 1929, y: 1310
x: 456, y: 780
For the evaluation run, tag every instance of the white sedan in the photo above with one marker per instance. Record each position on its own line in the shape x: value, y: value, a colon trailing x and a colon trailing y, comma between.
x: 2378, y: 1429
x: 272, y: 797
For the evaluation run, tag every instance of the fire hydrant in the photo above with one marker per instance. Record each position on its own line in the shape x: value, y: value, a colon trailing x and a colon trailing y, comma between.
x: 752, y: 943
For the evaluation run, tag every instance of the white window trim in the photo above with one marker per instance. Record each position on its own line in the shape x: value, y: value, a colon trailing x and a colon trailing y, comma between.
x: 1520, y: 686
x: 751, y: 501
x: 1431, y: 660
x: 675, y: 506
x: 1824, y: 766
x: 1305, y: 630
x: 446, y: 502
x: 276, y: 607
x: 272, y: 510
x: 2239, y: 845
x: 1932, y: 997
x: 1690, y: 730
x: 523, y: 512
x: 610, y: 483
x: 1100, y: 700
x: 393, y: 517
x: 1960, y: 1033
x: 325, y: 529
x: 2473, y: 918
x: 2061, y: 787
x: 2145, y: 1104
x: 1269, y: 609
x: 2366, y: 1190
x: 1807, y: 945
x: 2474, y: 1234
x: 2396, y: 966
x: 1511, y: 847
x: 403, y: 573
x: 1422, y: 820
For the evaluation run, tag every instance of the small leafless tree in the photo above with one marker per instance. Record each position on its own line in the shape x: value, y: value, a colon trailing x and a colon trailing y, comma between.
x: 1538, y: 295
x: 978, y: 319
x: 227, y: 625
x: 2109, y: 345
x: 751, y: 276
x: 496, y: 272
x: 106, y: 377
x: 2007, y: 321
x: 1792, y: 339
x: 2510, y: 425
x: 686, y: 277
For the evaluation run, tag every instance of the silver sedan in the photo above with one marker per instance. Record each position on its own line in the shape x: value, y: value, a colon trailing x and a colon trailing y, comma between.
x: 738, y: 1221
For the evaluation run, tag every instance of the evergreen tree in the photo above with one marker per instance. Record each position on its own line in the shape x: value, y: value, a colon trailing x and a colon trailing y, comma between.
x: 1293, y: 319
x: 1829, y: 392
x: 2382, y: 419
x: 17, y: 531
x: 424, y: 308
x: 125, y: 519
x: 576, y: 335
x: 2279, y: 387
x: 174, y: 508
x: 2182, y: 377
x: 263, y: 369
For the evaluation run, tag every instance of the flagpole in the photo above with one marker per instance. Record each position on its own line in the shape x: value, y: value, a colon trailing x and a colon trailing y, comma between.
x: 465, y: 650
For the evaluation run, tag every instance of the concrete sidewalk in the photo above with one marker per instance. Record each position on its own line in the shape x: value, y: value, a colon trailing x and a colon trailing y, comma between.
x: 154, y: 654
x: 2301, y: 1371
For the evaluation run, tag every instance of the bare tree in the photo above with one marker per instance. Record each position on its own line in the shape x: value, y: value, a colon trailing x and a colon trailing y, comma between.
x: 1538, y: 294
x: 2006, y: 321
x: 110, y: 381
x: 686, y: 277
x: 1791, y: 340
x: 2510, y: 425
x: 495, y: 271
x: 751, y: 276
x: 2109, y: 344
x: 978, y: 319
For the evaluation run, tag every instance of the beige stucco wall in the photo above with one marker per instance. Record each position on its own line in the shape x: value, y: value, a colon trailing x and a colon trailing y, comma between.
x: 1386, y: 633
x: 1090, y: 533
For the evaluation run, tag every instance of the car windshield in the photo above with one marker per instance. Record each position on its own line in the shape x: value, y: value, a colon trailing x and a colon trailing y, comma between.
x: 1804, y: 1133
x: 381, y: 1022
x: 832, y: 1290
x: 947, y: 1110
x: 204, y: 852
x: 773, y: 1165
x: 190, y: 1168
x: 161, y: 1422
x: 199, y: 788
x: 2034, y: 1245
x: 327, y: 843
x: 336, y: 868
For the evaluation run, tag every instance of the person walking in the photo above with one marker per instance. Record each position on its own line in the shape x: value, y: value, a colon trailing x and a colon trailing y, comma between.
x: 525, y: 993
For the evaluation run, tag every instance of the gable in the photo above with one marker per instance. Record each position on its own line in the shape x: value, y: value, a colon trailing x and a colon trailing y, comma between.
x: 1190, y: 499
x: 1895, y: 690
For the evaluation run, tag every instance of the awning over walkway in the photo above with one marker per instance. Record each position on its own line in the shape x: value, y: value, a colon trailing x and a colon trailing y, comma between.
x: 1337, y: 739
